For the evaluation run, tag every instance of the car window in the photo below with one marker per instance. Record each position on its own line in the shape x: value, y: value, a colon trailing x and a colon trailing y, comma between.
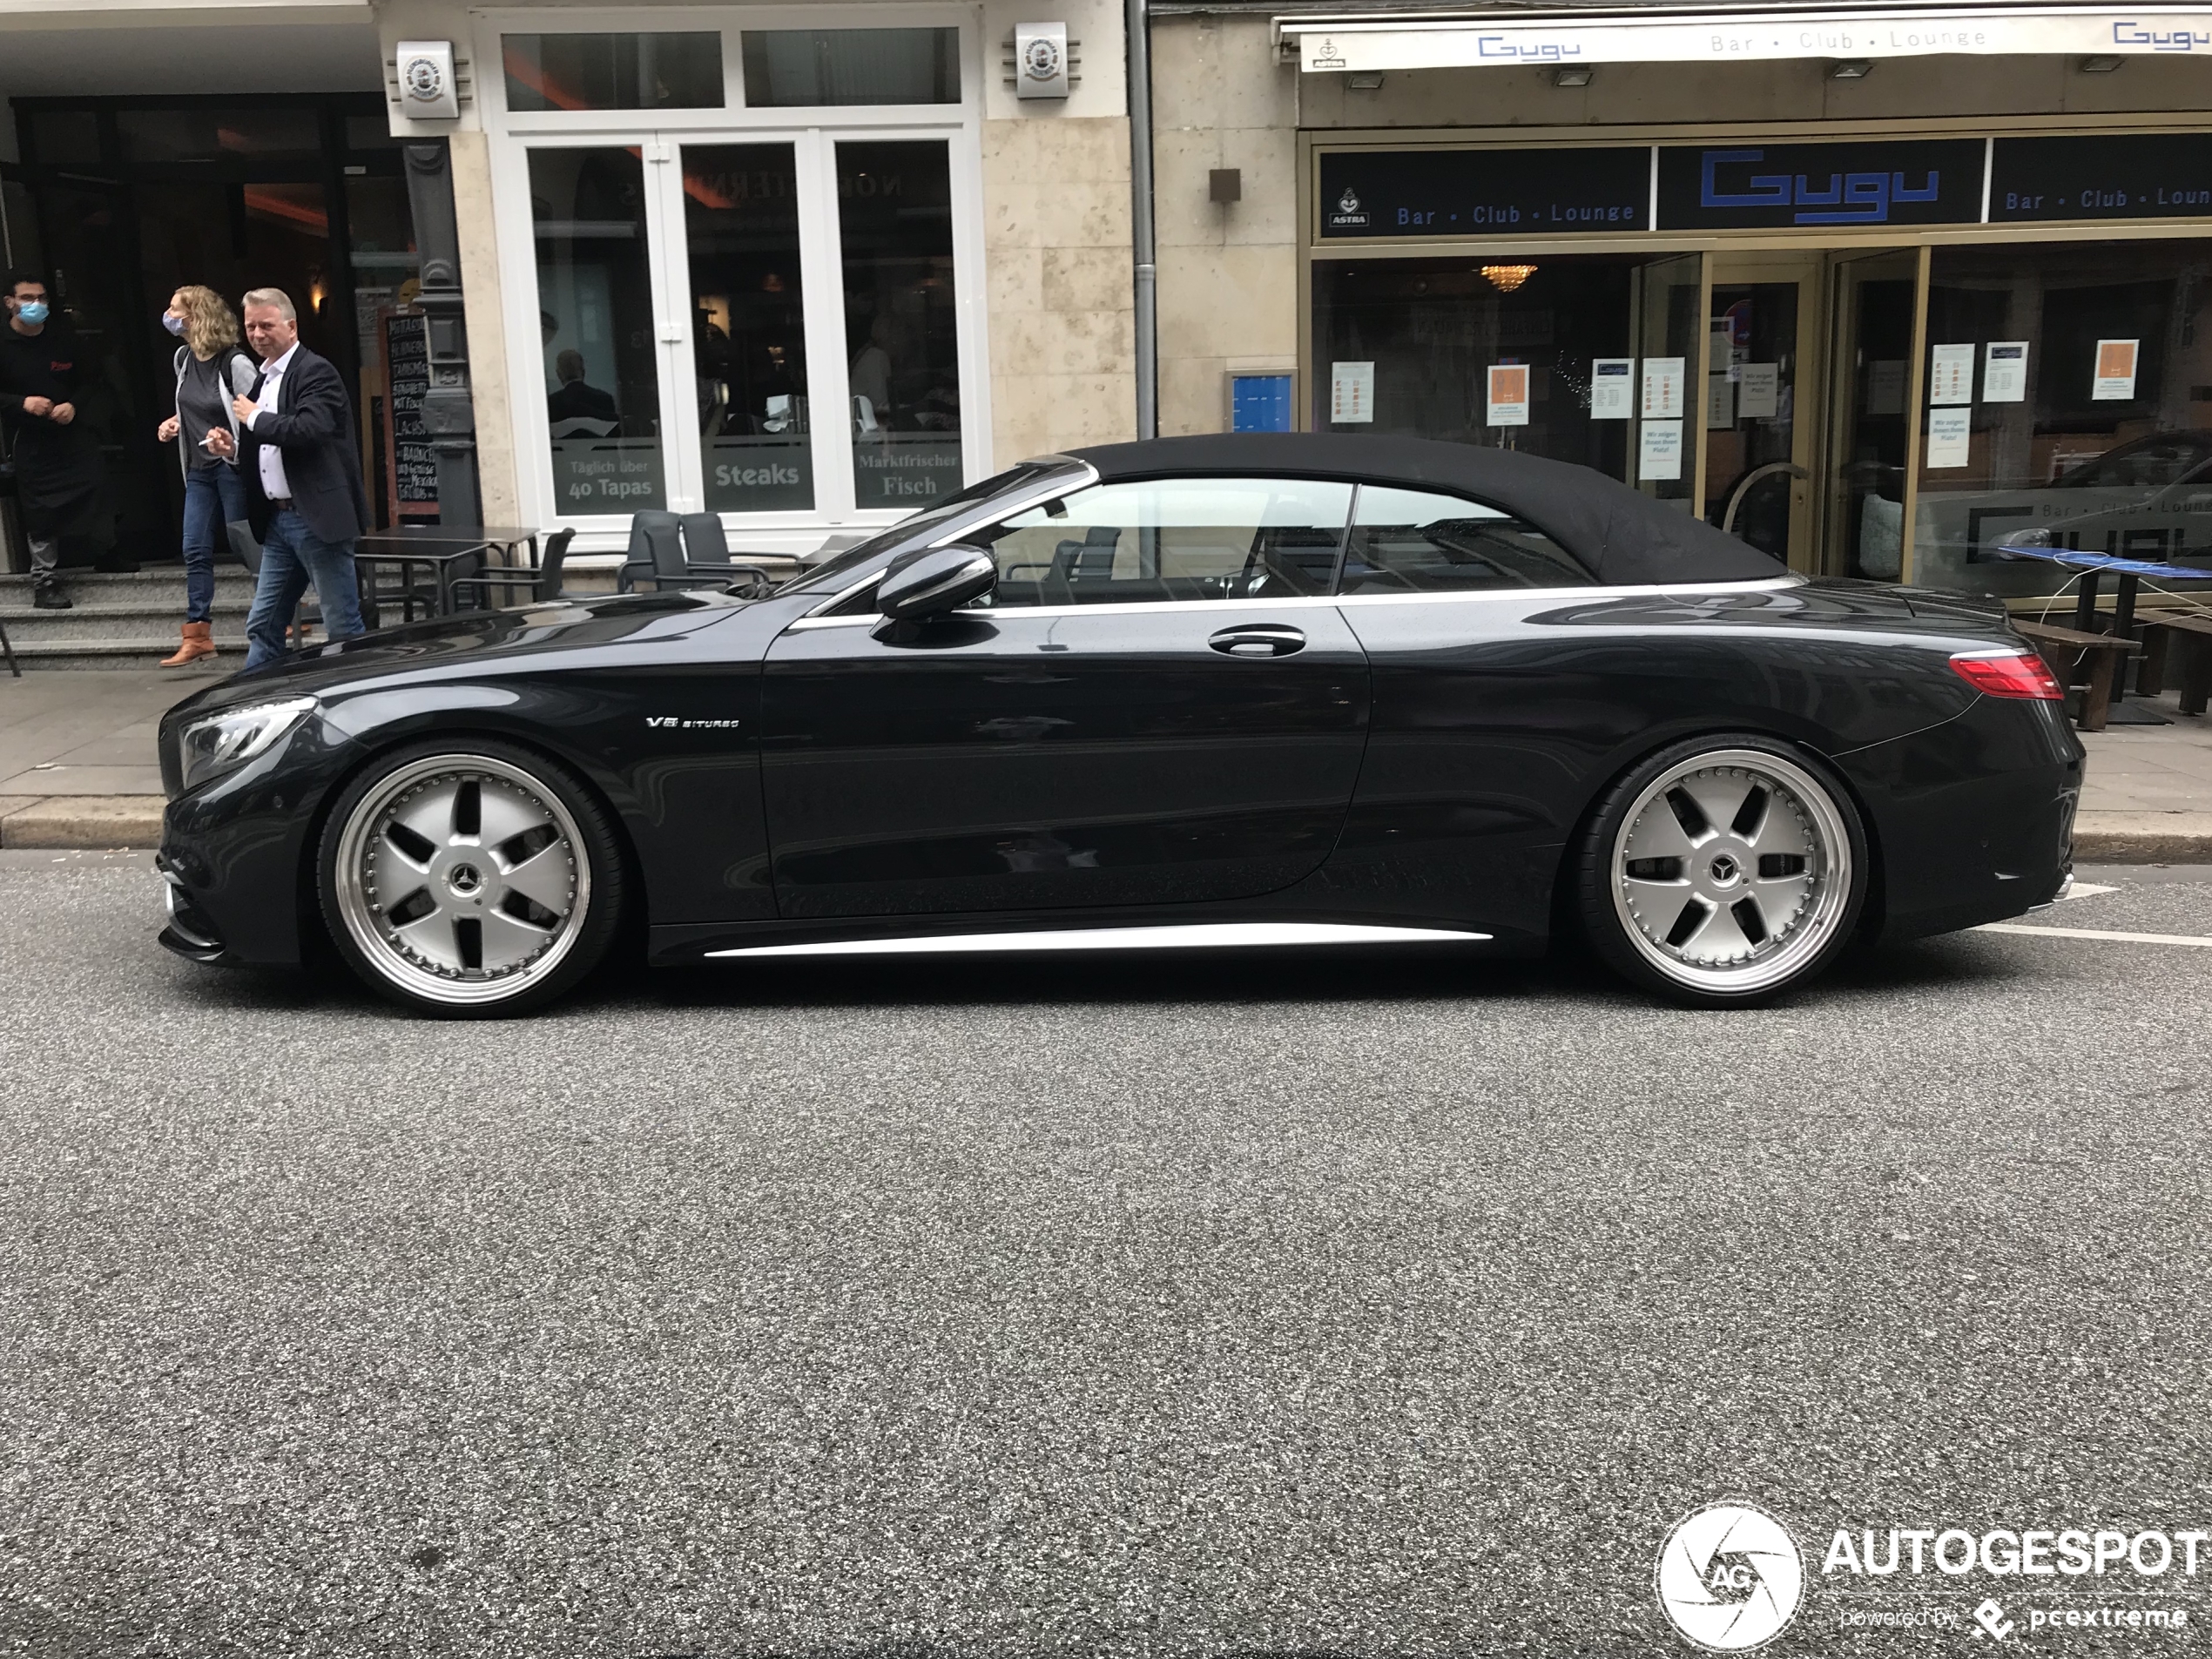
x: 1414, y: 541
x: 1159, y: 540
x: 832, y: 573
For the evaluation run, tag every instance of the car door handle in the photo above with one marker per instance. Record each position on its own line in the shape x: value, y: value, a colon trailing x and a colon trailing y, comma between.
x: 1259, y: 639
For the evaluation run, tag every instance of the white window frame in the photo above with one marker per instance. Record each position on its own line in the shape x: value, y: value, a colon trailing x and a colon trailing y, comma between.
x: 814, y: 133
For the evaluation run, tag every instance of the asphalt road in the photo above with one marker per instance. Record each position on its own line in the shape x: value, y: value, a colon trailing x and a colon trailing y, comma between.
x: 1324, y: 1304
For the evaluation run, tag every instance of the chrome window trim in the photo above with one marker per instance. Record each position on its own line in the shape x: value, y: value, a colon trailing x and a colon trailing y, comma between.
x: 1637, y: 590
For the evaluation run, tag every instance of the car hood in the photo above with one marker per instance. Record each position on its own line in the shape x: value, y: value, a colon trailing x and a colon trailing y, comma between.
x: 470, y: 642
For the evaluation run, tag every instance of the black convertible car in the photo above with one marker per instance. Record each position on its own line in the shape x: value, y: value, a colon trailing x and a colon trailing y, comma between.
x: 1226, y: 691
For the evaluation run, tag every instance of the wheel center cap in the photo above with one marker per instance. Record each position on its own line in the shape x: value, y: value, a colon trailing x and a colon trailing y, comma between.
x: 1724, y: 869
x: 465, y: 880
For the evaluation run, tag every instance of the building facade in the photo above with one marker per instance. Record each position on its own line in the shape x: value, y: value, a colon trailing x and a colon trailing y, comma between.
x: 1875, y: 289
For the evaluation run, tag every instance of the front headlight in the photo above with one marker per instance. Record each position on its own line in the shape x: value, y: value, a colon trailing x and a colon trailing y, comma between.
x: 225, y: 742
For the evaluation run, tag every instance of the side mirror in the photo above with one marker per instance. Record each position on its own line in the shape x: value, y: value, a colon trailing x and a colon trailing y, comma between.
x: 937, y: 579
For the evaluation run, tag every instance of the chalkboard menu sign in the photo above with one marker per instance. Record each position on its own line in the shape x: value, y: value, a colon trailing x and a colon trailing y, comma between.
x: 413, y: 463
x: 2151, y: 176
x: 1481, y: 193
x: 1782, y: 186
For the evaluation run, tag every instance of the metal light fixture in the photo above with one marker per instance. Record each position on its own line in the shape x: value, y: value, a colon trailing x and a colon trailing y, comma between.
x: 1365, y: 80
x: 1851, y: 69
x: 1507, y: 278
x: 2100, y: 65
x: 1574, y: 74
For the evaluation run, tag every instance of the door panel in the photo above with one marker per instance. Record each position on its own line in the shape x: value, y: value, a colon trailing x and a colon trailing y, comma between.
x: 1007, y: 759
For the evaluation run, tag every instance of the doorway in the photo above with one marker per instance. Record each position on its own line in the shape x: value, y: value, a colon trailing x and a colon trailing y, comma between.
x: 1764, y: 386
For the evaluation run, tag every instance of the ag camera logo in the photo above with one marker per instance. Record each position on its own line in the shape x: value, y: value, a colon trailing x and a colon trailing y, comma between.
x: 1730, y: 1577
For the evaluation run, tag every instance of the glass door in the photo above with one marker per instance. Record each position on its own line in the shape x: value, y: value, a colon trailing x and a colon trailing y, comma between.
x: 767, y: 326
x: 1876, y: 298
x: 604, y: 327
x: 1762, y: 320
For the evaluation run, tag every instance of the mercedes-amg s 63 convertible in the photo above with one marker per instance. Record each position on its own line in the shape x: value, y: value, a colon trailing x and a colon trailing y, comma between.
x: 1236, y: 690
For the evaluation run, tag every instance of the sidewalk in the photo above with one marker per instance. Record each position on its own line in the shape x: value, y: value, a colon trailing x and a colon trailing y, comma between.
x: 77, y: 769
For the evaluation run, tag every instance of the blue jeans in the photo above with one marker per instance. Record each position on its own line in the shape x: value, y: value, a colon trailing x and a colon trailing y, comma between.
x: 291, y: 556
x: 213, y: 497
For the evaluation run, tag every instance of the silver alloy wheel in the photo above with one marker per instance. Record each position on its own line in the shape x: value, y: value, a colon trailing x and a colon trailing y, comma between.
x: 461, y: 878
x: 1732, y: 871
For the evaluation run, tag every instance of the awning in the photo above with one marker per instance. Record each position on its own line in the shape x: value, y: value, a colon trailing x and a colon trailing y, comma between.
x: 1369, y: 41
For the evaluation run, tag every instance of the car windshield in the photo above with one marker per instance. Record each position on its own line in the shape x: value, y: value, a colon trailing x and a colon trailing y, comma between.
x: 827, y: 574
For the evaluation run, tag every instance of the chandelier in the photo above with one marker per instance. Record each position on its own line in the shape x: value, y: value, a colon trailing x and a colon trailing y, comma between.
x: 1507, y: 278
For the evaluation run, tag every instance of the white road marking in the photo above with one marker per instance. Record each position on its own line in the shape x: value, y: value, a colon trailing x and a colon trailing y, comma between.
x: 2204, y: 940
x: 2088, y: 890
x: 1186, y: 935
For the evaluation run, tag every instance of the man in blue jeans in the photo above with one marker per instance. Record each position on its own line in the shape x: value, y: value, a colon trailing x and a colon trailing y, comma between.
x: 303, y: 478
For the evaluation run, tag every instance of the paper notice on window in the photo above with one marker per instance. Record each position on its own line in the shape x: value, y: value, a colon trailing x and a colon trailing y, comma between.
x: 1508, y: 396
x: 1612, y: 387
x: 2004, y: 372
x: 1885, y: 388
x: 2114, y: 381
x: 1662, y: 388
x: 1659, y: 450
x: 1758, y: 391
x: 1949, y: 434
x: 1720, y: 401
x: 1951, y: 375
x: 1352, y: 393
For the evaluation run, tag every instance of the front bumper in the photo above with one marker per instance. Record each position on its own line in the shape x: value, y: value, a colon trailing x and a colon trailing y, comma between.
x: 235, y: 853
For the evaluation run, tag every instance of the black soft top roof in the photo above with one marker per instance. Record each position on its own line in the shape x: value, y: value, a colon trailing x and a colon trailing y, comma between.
x: 1624, y: 537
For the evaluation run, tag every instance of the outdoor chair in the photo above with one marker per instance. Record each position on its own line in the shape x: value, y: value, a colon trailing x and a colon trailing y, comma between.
x: 667, y: 550
x: 539, y: 585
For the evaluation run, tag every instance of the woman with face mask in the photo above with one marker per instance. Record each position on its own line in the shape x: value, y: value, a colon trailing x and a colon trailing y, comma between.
x: 211, y: 371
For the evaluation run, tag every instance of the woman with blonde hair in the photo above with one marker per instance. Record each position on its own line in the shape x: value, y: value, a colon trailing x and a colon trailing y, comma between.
x: 211, y: 371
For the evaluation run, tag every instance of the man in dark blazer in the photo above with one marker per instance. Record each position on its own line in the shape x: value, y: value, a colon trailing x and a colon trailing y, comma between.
x: 303, y: 480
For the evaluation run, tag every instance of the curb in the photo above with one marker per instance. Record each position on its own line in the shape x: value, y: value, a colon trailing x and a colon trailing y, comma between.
x: 81, y: 821
x: 2142, y: 838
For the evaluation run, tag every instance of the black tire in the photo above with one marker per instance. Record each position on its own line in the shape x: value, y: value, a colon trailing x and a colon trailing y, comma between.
x: 504, y: 873
x: 1726, y: 915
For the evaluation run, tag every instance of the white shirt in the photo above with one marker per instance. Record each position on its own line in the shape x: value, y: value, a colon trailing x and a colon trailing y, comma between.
x: 275, y: 484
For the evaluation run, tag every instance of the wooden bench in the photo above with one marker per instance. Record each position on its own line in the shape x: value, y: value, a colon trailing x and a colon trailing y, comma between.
x: 2161, y: 632
x: 2092, y: 659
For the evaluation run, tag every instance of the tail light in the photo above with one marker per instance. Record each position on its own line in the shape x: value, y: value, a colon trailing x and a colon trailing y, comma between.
x: 2009, y: 673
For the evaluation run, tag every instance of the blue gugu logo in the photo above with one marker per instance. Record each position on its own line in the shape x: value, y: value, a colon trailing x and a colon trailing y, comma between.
x: 1844, y: 198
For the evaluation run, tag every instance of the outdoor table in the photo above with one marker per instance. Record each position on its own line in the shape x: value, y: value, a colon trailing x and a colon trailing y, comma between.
x: 2092, y: 567
x: 444, y: 551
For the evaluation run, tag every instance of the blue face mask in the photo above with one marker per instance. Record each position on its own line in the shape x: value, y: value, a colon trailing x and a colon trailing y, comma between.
x: 32, y: 311
x: 174, y: 324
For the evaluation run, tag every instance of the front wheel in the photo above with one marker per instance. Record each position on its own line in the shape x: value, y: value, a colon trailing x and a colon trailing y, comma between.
x: 1723, y: 871
x: 470, y: 878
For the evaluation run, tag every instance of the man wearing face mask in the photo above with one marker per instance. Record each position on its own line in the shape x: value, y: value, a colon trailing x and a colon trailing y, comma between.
x: 58, y: 475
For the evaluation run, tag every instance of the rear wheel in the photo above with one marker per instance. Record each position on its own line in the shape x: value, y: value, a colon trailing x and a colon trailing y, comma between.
x: 1723, y: 871
x: 469, y: 878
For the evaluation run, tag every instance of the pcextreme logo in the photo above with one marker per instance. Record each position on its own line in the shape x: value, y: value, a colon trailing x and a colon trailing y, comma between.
x: 1730, y: 1577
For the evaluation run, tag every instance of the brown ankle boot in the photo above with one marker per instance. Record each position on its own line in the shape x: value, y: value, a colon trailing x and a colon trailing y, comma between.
x: 199, y: 642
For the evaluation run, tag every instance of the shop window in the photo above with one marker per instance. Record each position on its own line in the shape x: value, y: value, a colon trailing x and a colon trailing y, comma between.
x: 625, y: 71
x: 749, y: 329
x: 595, y: 298
x: 785, y: 68
x: 2067, y: 391
x: 256, y: 137
x: 901, y: 320
x: 1577, y: 358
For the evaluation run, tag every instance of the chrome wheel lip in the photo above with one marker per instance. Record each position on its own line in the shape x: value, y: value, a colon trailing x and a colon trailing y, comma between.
x: 359, y: 912
x: 1815, y: 924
